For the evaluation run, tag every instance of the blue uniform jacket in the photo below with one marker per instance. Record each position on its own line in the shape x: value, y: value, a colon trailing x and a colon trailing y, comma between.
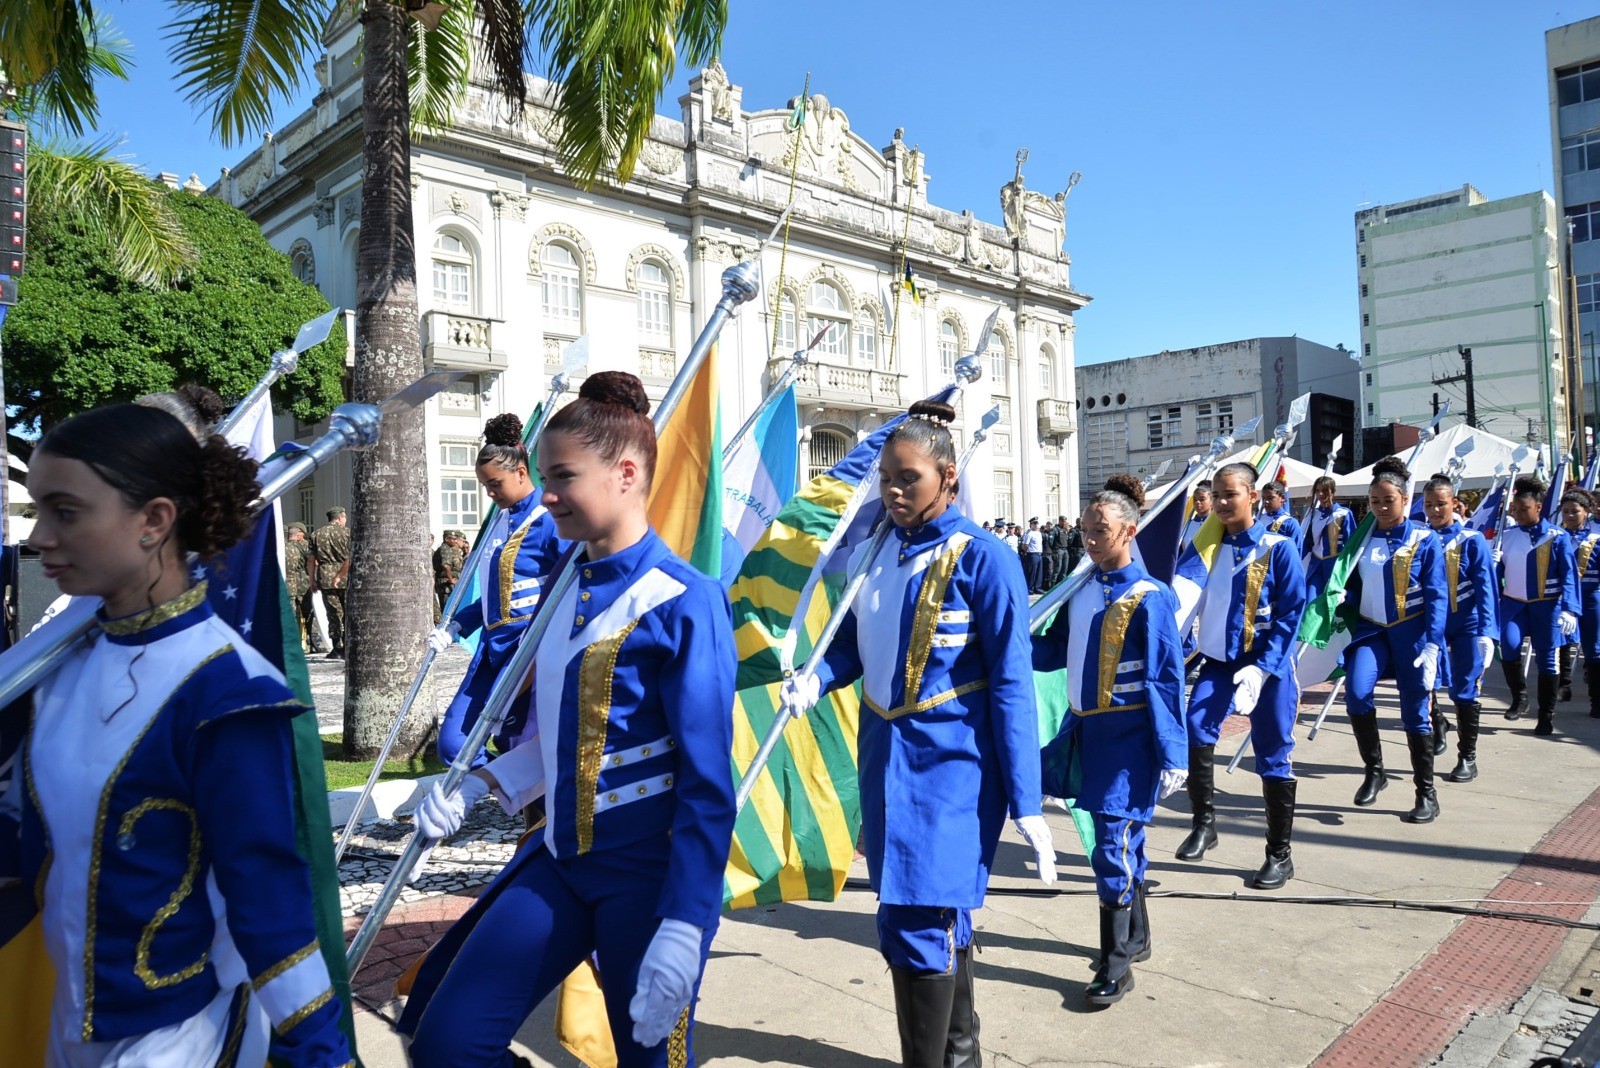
x: 949, y: 737
x: 1326, y: 533
x: 1470, y: 583
x: 1411, y: 590
x: 1283, y: 522
x: 1538, y: 563
x: 207, y: 787
x: 1586, y: 562
x: 514, y: 572
x: 1265, y: 601
x: 1118, y: 639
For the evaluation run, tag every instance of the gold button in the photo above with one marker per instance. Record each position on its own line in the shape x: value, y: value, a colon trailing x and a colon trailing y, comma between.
x: 578, y: 622
x: 645, y: 751
x: 616, y: 760
x: 643, y: 790
x: 587, y: 573
x: 667, y: 781
x: 612, y: 798
x: 584, y: 596
x: 671, y: 742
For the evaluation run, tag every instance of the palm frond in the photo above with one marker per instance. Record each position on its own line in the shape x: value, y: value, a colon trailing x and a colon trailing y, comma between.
x: 610, y: 60
x: 38, y: 36
x: 107, y: 194
x: 439, y: 62
x: 505, y: 45
x: 237, y: 57
x: 65, y: 101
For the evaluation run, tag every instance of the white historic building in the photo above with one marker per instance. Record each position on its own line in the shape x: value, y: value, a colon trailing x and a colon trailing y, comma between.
x: 515, y: 261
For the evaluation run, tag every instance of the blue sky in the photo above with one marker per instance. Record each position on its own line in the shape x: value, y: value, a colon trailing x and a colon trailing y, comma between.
x: 1224, y: 147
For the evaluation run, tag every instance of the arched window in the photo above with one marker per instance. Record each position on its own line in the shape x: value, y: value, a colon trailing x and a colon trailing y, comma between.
x: 825, y: 307
x: 997, y: 366
x: 828, y: 447
x: 452, y: 273
x: 1047, y: 372
x: 655, y: 303
x: 949, y: 342
x: 562, y: 285
x: 303, y: 263
x: 866, y: 338
x: 787, y: 342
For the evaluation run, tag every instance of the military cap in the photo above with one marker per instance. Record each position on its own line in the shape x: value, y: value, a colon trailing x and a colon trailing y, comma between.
x: 335, y: 512
x: 297, y: 525
x: 455, y: 534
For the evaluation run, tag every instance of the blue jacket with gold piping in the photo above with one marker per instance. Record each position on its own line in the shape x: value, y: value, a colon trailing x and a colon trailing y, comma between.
x: 201, y: 797
x: 1470, y: 583
x: 949, y: 737
x: 1266, y: 596
x: 523, y: 549
x: 1399, y: 580
x: 1326, y: 533
x: 1283, y: 522
x: 1586, y: 561
x: 1538, y: 563
x: 633, y: 699
x: 1118, y: 639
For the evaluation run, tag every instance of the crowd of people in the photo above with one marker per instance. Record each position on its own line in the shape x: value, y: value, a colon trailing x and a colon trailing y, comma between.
x: 618, y: 753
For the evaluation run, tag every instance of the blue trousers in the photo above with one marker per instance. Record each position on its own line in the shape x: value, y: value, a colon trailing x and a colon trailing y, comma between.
x: 1589, y: 623
x: 1388, y: 652
x: 1538, y: 620
x: 549, y: 917
x: 1460, y: 670
x: 1317, y: 574
x: 1271, y: 724
x: 1117, y: 858
x: 462, y: 714
x: 923, y: 938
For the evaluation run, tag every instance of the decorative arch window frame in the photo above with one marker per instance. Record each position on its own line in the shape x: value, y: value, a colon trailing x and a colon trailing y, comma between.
x: 667, y: 263
x: 870, y: 312
x: 952, y: 318
x: 300, y: 252
x: 569, y: 235
x: 785, y: 346
x: 469, y: 257
x: 830, y: 275
x: 1047, y: 366
x: 1005, y: 384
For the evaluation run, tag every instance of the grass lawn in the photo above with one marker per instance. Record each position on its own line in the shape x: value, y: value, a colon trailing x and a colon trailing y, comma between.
x: 343, y: 773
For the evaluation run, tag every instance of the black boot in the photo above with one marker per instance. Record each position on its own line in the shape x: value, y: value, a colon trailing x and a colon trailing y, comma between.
x: 1466, y: 768
x: 1139, y: 926
x: 922, y: 1005
x: 961, y: 1045
x: 1591, y: 679
x: 1512, y: 665
x: 1279, y: 867
x: 1547, y: 705
x: 1202, y: 798
x: 1441, y: 725
x: 1564, y: 659
x: 1427, y: 808
x: 1113, y: 978
x: 1370, y: 746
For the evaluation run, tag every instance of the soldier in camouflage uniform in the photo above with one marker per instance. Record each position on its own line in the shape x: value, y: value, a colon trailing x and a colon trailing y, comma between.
x: 297, y: 573
x: 331, y: 547
x: 447, y: 561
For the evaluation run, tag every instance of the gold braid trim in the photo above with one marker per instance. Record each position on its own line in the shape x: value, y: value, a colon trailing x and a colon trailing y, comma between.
x: 154, y: 617
x: 1585, y: 551
x: 1400, y: 574
x: 241, y: 1012
x: 1543, y: 556
x: 141, y: 955
x: 508, y: 570
x: 928, y: 702
x: 283, y: 965
x: 595, y: 676
x: 1113, y: 636
x: 1255, y: 577
x: 304, y: 1012
x: 930, y: 601
x: 1452, y: 571
x: 678, y: 1043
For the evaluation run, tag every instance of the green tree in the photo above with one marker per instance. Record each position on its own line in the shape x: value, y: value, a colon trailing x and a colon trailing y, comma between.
x: 84, y: 335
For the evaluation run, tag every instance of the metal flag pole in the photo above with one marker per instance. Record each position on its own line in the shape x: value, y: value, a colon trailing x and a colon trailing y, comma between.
x: 352, y: 426
x: 1327, y: 471
x: 1155, y: 476
x: 1518, y: 458
x: 740, y: 284
x: 284, y: 363
x: 830, y: 630
x: 797, y: 364
x: 574, y: 361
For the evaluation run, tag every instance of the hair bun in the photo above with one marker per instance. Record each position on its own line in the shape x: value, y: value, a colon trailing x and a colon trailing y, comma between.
x: 616, y: 387
x: 504, y: 430
x: 205, y: 402
x: 1391, y: 465
x: 1130, y: 486
x: 935, y: 411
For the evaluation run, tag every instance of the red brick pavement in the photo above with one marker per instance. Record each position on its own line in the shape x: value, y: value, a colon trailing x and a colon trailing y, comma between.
x: 410, y: 929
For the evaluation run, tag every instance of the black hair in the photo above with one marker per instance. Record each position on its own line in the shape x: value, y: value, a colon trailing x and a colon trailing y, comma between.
x: 1439, y: 482
x: 1393, y: 470
x: 502, y: 443
x: 610, y: 416
x: 197, y: 407
x: 1276, y: 488
x: 1324, y: 482
x: 928, y: 425
x: 1580, y: 497
x: 1244, y: 471
x: 1124, y: 493
x: 1528, y: 486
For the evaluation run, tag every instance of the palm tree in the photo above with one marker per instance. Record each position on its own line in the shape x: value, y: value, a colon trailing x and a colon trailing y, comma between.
x: 611, y: 59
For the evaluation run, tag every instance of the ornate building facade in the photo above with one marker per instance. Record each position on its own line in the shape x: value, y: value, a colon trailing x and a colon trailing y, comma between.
x: 515, y: 261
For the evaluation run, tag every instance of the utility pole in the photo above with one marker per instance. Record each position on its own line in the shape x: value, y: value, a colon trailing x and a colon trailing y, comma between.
x: 1466, y: 377
x: 1436, y: 404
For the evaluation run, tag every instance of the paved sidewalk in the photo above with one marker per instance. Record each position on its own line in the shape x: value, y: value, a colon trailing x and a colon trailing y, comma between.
x: 1244, y: 978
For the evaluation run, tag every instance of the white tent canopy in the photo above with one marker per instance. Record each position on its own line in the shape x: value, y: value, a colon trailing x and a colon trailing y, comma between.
x: 1488, y: 450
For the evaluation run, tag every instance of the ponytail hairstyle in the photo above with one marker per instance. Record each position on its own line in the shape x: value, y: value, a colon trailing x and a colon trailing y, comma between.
x: 611, y: 416
x: 1123, y: 496
x: 1393, y: 470
x: 502, y: 443
x: 1440, y: 483
x: 928, y: 427
x: 1244, y: 471
x: 197, y: 407
x: 1528, y: 486
x: 145, y: 452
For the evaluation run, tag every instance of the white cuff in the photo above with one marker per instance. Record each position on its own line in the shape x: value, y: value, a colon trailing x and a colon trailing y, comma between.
x: 520, y: 774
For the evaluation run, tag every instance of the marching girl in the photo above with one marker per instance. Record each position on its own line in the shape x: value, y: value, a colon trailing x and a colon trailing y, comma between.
x: 1577, y: 513
x: 1399, y: 585
x: 949, y: 737
x: 522, y: 549
x: 1249, y: 613
x: 1538, y: 598
x: 1126, y: 722
x: 629, y: 739
x: 1470, y: 625
x: 1275, y: 510
x: 1330, y: 527
x: 158, y: 772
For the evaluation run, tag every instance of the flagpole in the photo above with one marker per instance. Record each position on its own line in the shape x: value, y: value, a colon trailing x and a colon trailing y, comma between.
x: 797, y: 363
x: 830, y: 630
x: 794, y: 172
x: 284, y: 363
x: 558, y: 385
x: 740, y: 284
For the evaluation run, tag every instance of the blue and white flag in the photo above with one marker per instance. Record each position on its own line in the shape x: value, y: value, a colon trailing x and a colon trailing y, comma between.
x: 1558, y: 487
x: 1486, y: 520
x: 758, y: 479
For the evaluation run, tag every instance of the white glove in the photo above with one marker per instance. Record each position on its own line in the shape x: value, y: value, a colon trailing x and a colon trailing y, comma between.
x: 1173, y: 780
x: 1428, y: 661
x: 1497, y: 554
x: 417, y: 869
x: 1569, y: 624
x: 441, y: 638
x: 1247, y: 683
x: 440, y: 814
x: 1036, y: 832
x: 800, y: 694
x: 1486, y: 650
x: 666, y: 981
